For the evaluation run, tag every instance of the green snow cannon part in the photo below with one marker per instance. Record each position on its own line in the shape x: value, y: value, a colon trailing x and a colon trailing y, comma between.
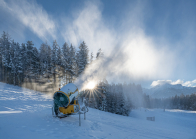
x: 60, y: 100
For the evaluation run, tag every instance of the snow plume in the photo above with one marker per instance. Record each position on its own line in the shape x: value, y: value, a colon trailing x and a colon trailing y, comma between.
x: 130, y: 55
x: 88, y: 25
x: 32, y: 16
x: 162, y: 82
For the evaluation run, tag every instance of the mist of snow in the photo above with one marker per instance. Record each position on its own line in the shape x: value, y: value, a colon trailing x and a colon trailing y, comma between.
x: 129, y: 56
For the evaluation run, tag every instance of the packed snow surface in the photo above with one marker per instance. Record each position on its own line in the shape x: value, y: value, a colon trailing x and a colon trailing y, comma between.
x: 27, y: 114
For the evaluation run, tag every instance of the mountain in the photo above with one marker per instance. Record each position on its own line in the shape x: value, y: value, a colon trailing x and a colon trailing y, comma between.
x: 168, y: 90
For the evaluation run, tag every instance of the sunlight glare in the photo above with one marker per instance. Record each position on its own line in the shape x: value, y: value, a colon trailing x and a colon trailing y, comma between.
x: 90, y: 85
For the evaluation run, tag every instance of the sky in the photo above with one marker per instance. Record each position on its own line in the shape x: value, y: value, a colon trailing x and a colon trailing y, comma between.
x: 146, y: 42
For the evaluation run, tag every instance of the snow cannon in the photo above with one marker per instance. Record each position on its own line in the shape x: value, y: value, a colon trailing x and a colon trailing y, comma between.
x: 65, y: 101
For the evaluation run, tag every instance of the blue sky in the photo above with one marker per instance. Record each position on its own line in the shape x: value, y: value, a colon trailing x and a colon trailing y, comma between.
x: 157, y: 38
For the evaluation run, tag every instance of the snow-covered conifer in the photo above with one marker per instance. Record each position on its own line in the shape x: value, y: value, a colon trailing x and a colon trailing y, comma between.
x: 83, y: 57
x: 54, y: 58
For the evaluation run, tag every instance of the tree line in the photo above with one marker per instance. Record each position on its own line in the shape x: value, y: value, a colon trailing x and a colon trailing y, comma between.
x: 25, y: 63
x: 183, y: 102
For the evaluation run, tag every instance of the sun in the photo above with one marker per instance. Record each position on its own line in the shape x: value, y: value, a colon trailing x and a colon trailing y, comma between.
x: 91, y: 85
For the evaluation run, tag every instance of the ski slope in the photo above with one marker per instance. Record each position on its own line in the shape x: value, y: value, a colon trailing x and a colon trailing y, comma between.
x: 27, y: 114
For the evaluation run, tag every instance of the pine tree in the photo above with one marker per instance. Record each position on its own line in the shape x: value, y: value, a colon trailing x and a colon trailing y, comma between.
x: 59, y: 58
x: 1, y: 64
x: 14, y: 61
x: 120, y: 99
x: 66, y: 56
x: 83, y: 57
x: 43, y: 58
x: 24, y: 61
x: 36, y: 61
x: 73, y: 62
x: 5, y: 55
x: 29, y: 70
x: 54, y: 59
x: 20, y: 67
x: 48, y: 60
x: 114, y: 98
x: 104, y: 85
x: 66, y: 60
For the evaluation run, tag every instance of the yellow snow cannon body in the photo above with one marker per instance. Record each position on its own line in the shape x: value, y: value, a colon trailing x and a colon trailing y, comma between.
x: 65, y: 101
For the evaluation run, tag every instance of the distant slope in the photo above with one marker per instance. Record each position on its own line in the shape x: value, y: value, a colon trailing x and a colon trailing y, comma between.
x: 168, y: 90
x: 26, y: 114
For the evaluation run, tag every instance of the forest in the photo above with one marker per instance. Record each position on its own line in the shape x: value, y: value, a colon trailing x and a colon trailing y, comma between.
x: 25, y: 65
x: 182, y: 102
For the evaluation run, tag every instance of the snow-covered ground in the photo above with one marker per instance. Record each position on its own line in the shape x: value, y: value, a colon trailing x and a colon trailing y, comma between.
x: 26, y: 114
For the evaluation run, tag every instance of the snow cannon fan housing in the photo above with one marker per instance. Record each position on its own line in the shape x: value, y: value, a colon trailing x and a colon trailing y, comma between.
x: 65, y: 100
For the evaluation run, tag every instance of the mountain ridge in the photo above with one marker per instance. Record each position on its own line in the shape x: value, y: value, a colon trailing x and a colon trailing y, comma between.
x: 169, y: 90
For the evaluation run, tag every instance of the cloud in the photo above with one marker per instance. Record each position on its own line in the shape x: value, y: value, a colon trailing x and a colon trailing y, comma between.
x: 177, y: 82
x: 32, y: 16
x: 190, y: 83
x: 162, y: 82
